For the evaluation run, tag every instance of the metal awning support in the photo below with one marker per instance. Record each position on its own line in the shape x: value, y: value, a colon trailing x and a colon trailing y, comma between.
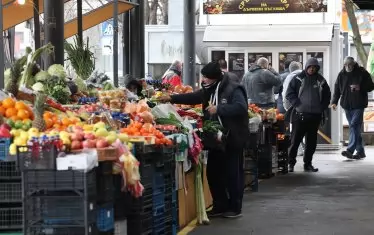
x: 2, y: 48
x: 80, y: 20
x: 115, y: 43
x: 189, y: 49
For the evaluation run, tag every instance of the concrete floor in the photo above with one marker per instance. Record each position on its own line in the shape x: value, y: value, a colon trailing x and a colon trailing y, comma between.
x: 339, y: 200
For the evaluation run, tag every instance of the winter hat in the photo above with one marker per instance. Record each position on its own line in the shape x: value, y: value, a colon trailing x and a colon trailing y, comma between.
x: 212, y: 71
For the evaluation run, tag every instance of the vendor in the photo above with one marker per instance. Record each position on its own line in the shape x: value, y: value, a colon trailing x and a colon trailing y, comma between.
x: 225, y: 101
x: 173, y: 75
x: 134, y: 86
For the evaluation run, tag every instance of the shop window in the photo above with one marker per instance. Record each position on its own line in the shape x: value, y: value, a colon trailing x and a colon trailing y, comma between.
x: 217, y: 55
x: 293, y: 56
x: 236, y: 64
x: 319, y: 57
x: 253, y: 57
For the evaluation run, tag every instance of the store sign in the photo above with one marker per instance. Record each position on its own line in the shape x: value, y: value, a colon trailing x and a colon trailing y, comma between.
x: 107, y: 45
x: 263, y: 6
x: 107, y: 28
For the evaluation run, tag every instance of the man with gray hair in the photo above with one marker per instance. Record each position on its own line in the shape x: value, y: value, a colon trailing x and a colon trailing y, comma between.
x: 351, y: 88
x: 260, y: 82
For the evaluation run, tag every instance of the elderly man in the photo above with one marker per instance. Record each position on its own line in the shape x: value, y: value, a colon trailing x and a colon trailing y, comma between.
x: 260, y: 82
x: 351, y: 87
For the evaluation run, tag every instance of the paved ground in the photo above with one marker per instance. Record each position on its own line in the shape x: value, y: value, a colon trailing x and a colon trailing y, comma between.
x: 339, y: 200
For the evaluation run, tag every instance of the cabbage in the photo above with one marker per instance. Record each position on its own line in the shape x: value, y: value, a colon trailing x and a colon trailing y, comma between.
x: 39, y: 87
x: 42, y: 76
x: 81, y: 84
x: 57, y: 70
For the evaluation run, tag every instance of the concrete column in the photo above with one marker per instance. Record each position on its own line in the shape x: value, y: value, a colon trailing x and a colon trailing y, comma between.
x: 189, y: 51
x: 54, y: 30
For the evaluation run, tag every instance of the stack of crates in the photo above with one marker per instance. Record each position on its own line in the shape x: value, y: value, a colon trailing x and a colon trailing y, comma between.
x: 11, y: 215
x: 157, y: 211
x: 105, y: 195
x: 59, y: 202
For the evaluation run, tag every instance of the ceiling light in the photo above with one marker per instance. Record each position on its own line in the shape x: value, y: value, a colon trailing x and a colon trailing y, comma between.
x: 21, y: 2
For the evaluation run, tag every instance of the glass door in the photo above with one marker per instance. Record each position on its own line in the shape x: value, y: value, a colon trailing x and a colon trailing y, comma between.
x: 236, y: 63
x: 292, y: 56
x: 253, y: 58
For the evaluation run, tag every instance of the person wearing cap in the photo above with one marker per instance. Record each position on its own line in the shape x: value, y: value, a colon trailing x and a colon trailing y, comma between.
x: 225, y: 101
x: 309, y: 95
x: 351, y: 88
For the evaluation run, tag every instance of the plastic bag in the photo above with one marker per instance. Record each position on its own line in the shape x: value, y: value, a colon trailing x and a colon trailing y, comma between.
x: 254, y: 124
x: 164, y: 110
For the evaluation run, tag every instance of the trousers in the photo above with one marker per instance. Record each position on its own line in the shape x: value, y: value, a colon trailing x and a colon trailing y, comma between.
x: 355, y: 119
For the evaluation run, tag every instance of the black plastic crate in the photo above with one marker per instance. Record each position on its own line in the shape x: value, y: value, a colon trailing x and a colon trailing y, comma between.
x: 11, y: 218
x: 9, y: 171
x: 163, y: 228
x: 48, y: 230
x: 105, y: 168
x: 79, y: 182
x: 136, y: 226
x: 59, y: 210
x: 10, y: 192
x: 105, y: 188
x: 31, y: 158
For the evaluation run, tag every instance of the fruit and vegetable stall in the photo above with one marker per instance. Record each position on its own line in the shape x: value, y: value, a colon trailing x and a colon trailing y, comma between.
x: 78, y: 157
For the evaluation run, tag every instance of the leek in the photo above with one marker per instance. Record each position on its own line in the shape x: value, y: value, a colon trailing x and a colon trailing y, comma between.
x: 202, y: 217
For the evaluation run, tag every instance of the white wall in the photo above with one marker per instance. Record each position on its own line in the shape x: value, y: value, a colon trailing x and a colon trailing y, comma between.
x: 333, y: 14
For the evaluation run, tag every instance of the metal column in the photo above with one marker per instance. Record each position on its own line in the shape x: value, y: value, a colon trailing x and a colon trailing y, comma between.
x: 115, y: 43
x: 36, y: 24
x: 2, y: 48
x: 141, y: 38
x: 126, y: 43
x: 189, y: 48
x: 80, y: 20
x: 54, y: 30
x: 134, y: 42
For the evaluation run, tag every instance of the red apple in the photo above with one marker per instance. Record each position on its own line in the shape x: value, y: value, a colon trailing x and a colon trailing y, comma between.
x: 76, y: 145
x: 77, y: 136
x: 89, y: 136
x: 89, y: 144
x: 102, y: 143
x: 6, y: 126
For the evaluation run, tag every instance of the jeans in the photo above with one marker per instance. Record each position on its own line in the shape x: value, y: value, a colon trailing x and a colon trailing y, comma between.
x: 355, y: 119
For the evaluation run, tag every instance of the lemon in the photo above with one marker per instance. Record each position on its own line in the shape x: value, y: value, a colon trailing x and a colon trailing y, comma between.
x: 13, y: 149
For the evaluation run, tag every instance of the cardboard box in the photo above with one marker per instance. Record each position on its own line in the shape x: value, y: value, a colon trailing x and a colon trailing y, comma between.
x: 368, y: 126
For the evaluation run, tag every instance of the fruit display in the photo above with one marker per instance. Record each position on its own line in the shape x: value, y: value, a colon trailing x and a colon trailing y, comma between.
x: 15, y: 110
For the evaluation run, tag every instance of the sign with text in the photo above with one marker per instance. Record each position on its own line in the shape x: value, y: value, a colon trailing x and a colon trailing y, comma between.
x: 263, y: 6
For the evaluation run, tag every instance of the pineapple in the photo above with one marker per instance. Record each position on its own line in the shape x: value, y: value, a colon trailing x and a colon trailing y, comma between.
x: 15, y: 74
x: 39, y: 106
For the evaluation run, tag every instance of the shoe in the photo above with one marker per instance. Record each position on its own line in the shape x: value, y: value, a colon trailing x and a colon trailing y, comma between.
x: 310, y: 168
x: 348, y: 154
x: 214, y: 214
x: 291, y: 168
x: 359, y: 156
x: 232, y: 215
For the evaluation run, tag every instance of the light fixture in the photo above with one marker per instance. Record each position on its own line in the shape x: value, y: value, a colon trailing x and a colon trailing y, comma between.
x: 21, y: 2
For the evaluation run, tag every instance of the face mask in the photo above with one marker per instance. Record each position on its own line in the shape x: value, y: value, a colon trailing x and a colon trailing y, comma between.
x: 348, y: 68
x: 207, y: 86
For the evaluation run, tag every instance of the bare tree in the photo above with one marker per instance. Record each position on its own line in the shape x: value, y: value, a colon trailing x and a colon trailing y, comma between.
x: 156, y: 12
x: 350, y: 8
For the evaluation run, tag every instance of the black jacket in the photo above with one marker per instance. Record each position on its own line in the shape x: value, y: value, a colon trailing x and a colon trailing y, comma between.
x: 232, y: 109
x: 309, y: 94
x: 357, y: 98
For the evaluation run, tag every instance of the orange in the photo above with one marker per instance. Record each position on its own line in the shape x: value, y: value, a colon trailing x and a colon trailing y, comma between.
x: 48, y: 122
x: 23, y: 114
x: 20, y: 105
x: 66, y: 121
x: 8, y: 103
x: 15, y: 118
x: 2, y: 110
x: 10, y: 112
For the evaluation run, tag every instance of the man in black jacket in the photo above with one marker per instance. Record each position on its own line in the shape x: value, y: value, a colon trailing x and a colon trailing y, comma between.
x: 224, y: 100
x: 232, y: 76
x: 352, y: 87
x: 309, y: 95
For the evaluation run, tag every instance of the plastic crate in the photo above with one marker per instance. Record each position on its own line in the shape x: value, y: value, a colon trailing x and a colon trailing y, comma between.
x: 10, y: 192
x: 9, y: 171
x: 105, y: 188
x: 11, y: 233
x: 139, y: 226
x: 4, y: 148
x: 163, y: 228
x: 43, y: 158
x: 105, y: 218
x: 59, y: 210
x: 105, y: 168
x: 11, y: 218
x: 44, y: 181
x: 46, y: 230
x: 120, y: 227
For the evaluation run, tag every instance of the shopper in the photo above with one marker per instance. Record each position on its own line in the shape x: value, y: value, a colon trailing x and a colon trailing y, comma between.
x: 225, y: 171
x: 351, y: 88
x: 294, y: 68
x: 309, y: 95
x: 283, y: 75
x: 173, y: 75
x: 260, y: 82
x: 232, y: 76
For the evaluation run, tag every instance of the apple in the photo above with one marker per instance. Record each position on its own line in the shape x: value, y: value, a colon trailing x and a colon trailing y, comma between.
x: 102, y: 143
x: 101, y: 132
x: 77, y: 136
x: 76, y: 145
x: 5, y: 133
x: 89, y: 144
x: 111, y: 138
x: 78, y: 129
x: 89, y: 136
x: 6, y: 126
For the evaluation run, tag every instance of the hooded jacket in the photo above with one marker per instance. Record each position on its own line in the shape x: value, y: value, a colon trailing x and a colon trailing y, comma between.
x: 357, y: 98
x: 232, y: 108
x: 173, y: 75
x: 260, y: 83
x: 286, y: 103
x: 309, y: 94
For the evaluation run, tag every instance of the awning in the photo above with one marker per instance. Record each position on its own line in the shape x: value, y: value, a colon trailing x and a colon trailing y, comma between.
x: 269, y: 33
x: 14, y: 14
x: 96, y: 17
